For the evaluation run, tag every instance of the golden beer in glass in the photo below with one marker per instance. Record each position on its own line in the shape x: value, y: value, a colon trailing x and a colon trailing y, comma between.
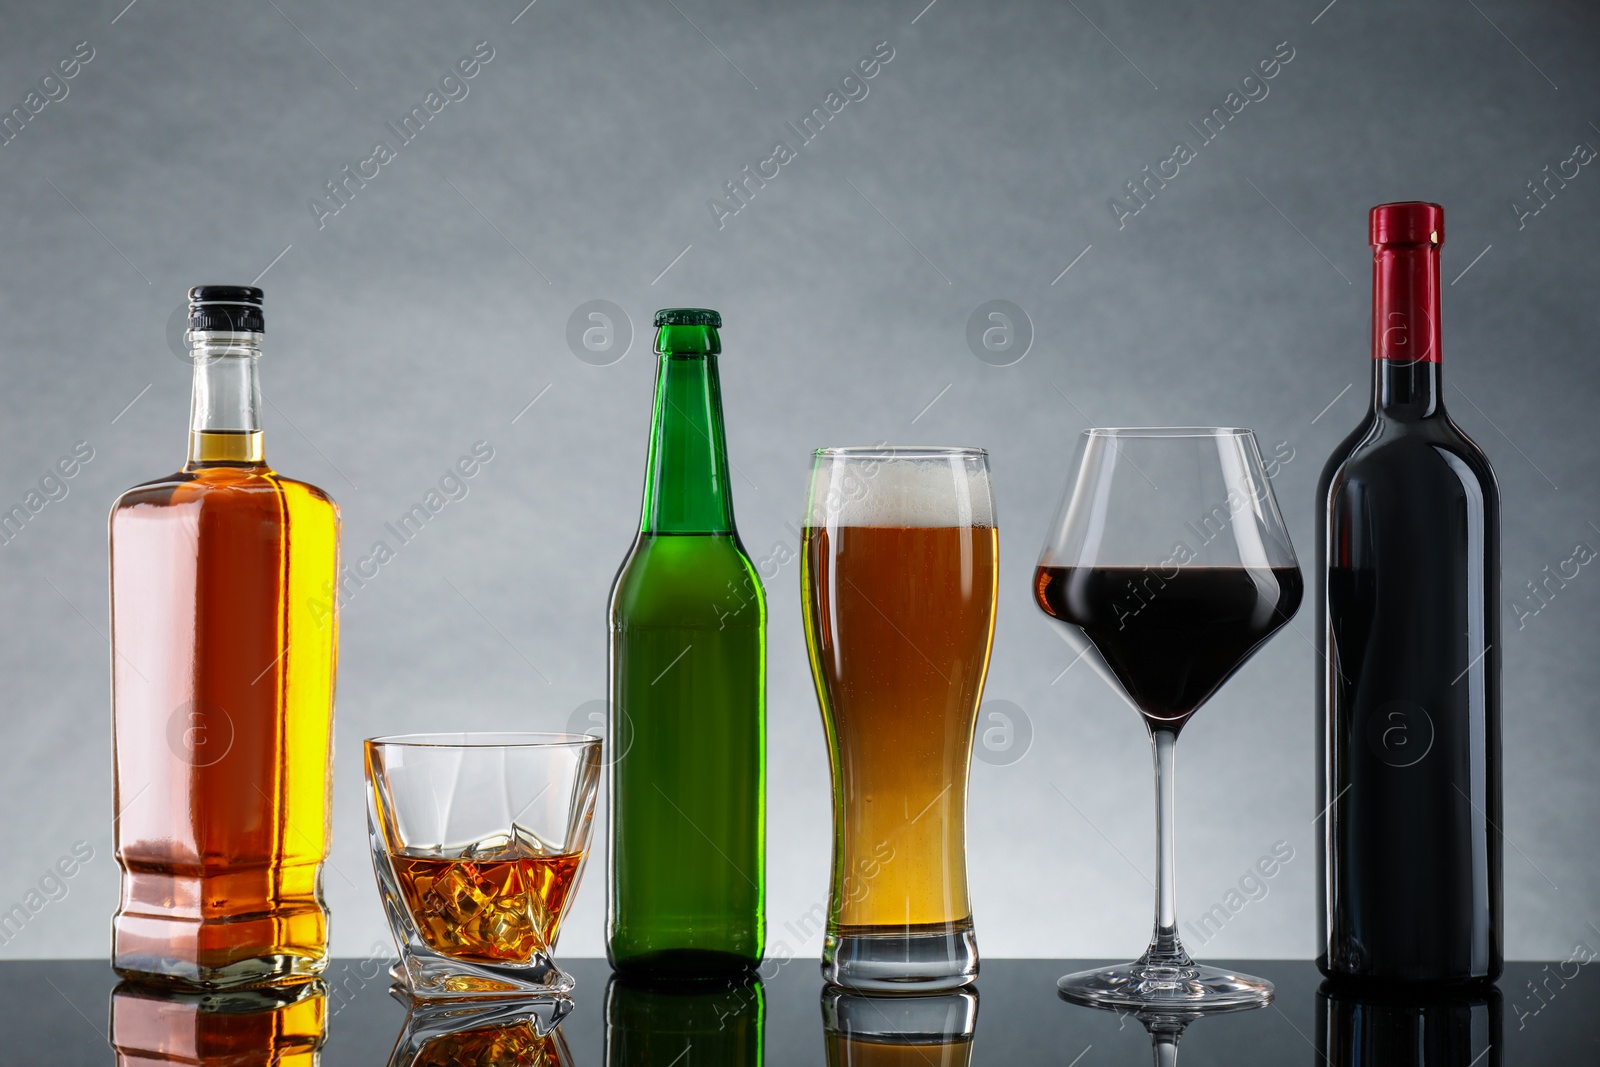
x: 899, y: 566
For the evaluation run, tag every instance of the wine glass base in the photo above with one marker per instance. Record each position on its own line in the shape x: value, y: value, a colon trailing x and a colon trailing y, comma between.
x: 1145, y: 988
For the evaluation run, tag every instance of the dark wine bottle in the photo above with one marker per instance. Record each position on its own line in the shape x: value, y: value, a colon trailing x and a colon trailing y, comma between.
x: 1409, y: 700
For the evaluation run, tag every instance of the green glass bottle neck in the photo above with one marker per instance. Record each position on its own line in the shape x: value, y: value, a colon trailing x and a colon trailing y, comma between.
x: 686, y: 487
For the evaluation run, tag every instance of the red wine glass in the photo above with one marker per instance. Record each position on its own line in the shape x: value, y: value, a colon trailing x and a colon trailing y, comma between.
x: 1167, y: 567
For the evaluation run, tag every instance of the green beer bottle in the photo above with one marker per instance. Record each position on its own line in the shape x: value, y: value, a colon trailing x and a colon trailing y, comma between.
x: 688, y: 695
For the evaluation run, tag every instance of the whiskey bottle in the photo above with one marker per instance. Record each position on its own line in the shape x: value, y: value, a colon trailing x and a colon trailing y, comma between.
x: 224, y: 641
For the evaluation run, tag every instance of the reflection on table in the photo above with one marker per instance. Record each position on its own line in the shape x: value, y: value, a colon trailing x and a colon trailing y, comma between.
x: 516, y: 1032
x: 1398, y: 1029
x: 891, y: 1031
x: 55, y: 1011
x: 656, y: 1024
x: 239, y: 1028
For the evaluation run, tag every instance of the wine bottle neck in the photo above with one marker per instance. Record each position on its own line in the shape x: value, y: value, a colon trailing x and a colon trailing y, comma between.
x: 686, y: 482
x: 1406, y: 389
x: 1405, y: 327
x: 225, y: 410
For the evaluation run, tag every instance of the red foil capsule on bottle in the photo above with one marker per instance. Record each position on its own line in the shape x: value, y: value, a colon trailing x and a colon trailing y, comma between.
x: 1405, y: 239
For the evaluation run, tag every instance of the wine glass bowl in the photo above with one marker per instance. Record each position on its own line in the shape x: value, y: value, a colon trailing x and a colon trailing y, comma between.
x: 1168, y: 566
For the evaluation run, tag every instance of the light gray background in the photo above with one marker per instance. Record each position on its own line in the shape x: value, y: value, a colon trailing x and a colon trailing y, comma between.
x: 432, y: 309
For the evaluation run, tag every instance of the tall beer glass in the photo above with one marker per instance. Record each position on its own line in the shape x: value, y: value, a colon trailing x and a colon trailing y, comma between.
x: 898, y: 570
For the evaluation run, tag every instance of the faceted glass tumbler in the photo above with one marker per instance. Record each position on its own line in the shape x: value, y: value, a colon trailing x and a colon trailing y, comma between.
x: 478, y: 843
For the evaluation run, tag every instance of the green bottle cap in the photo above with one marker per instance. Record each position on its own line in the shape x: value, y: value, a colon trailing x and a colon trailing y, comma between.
x: 688, y: 317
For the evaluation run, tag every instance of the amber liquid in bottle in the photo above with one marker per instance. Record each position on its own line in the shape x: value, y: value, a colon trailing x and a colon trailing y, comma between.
x: 224, y: 632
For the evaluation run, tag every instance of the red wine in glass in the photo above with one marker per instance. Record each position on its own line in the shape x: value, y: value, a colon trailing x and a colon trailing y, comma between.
x: 1171, y: 641
x: 1167, y: 567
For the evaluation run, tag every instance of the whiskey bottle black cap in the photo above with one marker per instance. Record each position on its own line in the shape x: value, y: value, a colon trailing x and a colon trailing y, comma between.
x: 229, y: 308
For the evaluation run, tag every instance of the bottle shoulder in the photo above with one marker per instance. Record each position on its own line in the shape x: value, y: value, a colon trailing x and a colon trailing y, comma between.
x: 222, y: 487
x: 664, y: 575
x: 667, y: 557
x: 301, y: 488
x: 1468, y: 452
x: 1342, y: 452
x: 1380, y: 444
x: 156, y: 492
x: 1416, y: 481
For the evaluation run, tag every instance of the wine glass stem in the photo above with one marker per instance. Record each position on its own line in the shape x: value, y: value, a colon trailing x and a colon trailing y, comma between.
x: 1165, y: 948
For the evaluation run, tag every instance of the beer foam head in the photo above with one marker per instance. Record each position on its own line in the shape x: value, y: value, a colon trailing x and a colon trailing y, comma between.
x: 887, y: 487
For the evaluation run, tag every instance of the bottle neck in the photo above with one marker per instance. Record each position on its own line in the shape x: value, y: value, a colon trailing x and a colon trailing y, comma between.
x: 225, y: 411
x: 1406, y: 390
x: 1405, y: 330
x: 686, y: 481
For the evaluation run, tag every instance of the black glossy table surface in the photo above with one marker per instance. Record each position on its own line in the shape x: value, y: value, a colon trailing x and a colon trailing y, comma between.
x: 57, y: 1011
